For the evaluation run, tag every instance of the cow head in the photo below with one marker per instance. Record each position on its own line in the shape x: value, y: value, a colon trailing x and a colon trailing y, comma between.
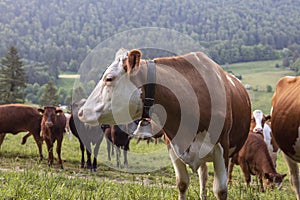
x: 115, y: 95
x: 49, y: 115
x: 273, y: 180
x: 258, y: 120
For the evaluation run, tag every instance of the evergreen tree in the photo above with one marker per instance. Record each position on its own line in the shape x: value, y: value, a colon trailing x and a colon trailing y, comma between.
x: 50, y: 95
x: 12, y: 78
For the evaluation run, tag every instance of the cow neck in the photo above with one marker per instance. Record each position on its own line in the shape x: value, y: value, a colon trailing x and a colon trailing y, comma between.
x: 149, y: 89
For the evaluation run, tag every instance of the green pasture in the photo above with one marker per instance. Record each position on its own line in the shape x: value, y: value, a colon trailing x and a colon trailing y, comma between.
x: 259, y: 75
x: 22, y: 176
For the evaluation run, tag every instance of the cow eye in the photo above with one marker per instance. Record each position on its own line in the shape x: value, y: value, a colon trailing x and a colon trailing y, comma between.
x: 109, y: 78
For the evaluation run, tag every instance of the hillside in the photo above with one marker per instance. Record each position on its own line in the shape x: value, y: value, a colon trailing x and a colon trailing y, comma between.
x: 60, y: 33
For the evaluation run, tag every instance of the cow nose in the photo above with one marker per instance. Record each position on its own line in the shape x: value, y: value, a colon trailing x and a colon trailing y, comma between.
x: 258, y: 130
x: 49, y: 124
x: 80, y: 113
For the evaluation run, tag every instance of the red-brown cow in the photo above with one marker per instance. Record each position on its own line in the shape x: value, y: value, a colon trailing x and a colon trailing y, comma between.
x: 53, y: 128
x: 206, y: 110
x: 15, y: 118
x: 286, y: 124
x: 254, y: 159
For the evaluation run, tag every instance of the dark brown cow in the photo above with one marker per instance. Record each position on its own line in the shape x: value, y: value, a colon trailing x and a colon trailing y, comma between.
x: 286, y: 124
x: 208, y: 110
x: 119, y: 136
x: 254, y: 159
x: 53, y: 128
x: 15, y: 118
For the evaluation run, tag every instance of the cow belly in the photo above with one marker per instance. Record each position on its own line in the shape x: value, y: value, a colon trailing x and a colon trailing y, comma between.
x: 199, y: 151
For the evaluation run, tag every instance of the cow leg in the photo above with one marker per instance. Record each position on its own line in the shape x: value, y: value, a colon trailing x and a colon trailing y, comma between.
x: 203, y: 176
x: 82, y: 154
x: 58, y: 151
x: 2, y: 136
x: 294, y: 173
x: 96, y: 150
x: 245, y: 169
x: 118, y: 153
x: 88, y: 159
x: 125, y: 158
x: 182, y: 176
x: 220, y: 173
x: 230, y: 170
x: 39, y: 141
x: 50, y: 151
x: 108, y: 148
x: 261, y: 184
x: 24, y: 139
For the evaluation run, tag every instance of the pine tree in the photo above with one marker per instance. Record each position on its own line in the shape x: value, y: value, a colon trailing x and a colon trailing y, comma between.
x: 50, y: 95
x: 12, y: 78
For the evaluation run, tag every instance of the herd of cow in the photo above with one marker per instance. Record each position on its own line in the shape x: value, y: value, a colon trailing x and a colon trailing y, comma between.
x: 251, y: 140
x: 52, y: 122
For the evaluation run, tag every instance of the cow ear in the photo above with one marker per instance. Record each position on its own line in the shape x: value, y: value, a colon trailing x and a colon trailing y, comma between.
x: 267, y: 176
x: 268, y: 117
x: 41, y: 110
x: 133, y: 60
x: 58, y: 112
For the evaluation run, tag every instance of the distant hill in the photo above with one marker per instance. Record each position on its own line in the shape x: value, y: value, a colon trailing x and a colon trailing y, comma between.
x: 60, y: 33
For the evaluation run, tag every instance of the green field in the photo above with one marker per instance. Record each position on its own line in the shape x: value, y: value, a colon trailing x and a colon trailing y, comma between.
x: 259, y: 75
x: 22, y: 176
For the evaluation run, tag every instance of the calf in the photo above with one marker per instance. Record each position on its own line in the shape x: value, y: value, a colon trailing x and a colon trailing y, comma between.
x: 15, y: 118
x: 119, y: 136
x: 53, y: 127
x: 94, y: 137
x: 254, y: 159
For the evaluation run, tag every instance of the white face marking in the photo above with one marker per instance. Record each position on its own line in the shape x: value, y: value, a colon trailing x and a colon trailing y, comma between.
x: 258, y: 116
x: 112, y: 97
x: 230, y: 80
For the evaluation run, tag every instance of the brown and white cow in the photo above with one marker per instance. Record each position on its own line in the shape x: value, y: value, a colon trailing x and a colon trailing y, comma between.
x: 15, y: 118
x: 286, y: 124
x: 53, y: 128
x: 208, y: 110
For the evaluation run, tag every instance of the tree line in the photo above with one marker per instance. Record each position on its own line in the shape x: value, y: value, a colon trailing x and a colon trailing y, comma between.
x: 59, y: 34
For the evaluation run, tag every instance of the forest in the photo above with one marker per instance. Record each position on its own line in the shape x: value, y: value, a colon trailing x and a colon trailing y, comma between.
x: 62, y: 32
x: 56, y: 36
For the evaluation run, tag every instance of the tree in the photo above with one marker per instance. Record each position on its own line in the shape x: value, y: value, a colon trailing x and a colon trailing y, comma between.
x: 50, y: 96
x: 12, y: 78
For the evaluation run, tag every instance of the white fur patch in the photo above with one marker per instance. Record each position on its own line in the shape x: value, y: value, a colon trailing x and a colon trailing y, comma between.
x: 198, y: 152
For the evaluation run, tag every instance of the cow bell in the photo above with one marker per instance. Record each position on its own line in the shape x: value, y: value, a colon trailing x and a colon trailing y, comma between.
x: 144, y: 129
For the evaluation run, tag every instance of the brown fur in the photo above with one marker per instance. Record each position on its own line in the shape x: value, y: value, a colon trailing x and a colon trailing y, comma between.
x: 53, y: 127
x: 238, y: 109
x: 254, y: 159
x: 15, y: 118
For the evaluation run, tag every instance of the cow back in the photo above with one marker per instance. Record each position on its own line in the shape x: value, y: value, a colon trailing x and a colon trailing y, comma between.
x: 15, y: 118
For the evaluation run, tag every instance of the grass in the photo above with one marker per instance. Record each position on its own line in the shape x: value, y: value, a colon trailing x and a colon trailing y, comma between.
x: 22, y: 176
x: 259, y: 75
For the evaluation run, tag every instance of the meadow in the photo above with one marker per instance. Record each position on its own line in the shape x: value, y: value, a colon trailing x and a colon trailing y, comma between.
x: 23, y: 176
